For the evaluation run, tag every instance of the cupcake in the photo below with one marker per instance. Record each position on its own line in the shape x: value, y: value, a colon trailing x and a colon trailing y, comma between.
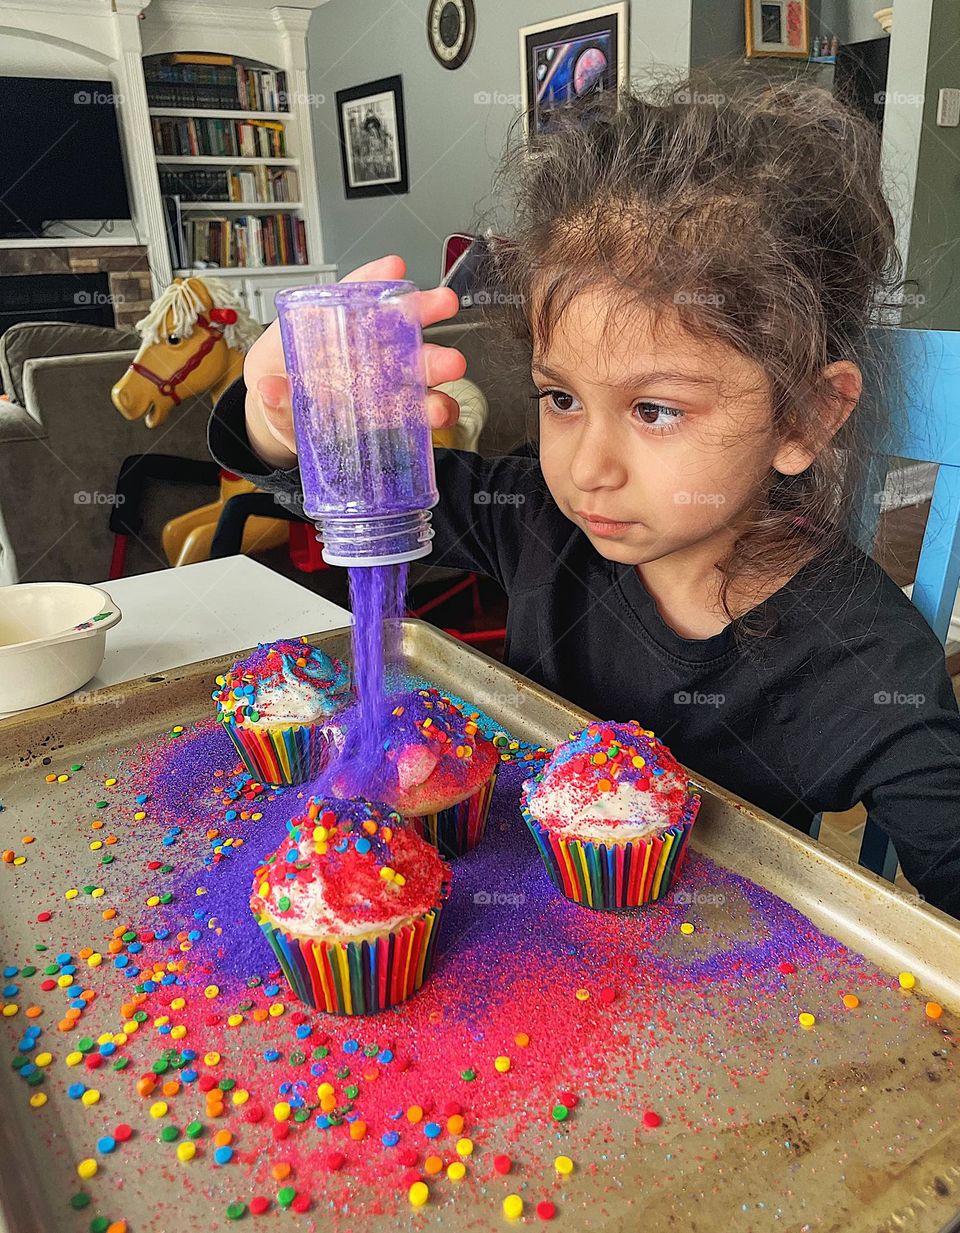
x: 611, y: 812
x: 439, y: 770
x: 350, y: 903
x: 276, y: 705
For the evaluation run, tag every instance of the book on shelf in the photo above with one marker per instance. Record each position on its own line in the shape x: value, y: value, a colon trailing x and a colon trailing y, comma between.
x: 225, y: 87
x: 254, y: 241
x: 176, y: 239
x: 215, y: 137
x: 259, y: 185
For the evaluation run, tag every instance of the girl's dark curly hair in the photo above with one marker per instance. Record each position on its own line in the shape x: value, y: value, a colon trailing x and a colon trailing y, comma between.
x: 754, y: 211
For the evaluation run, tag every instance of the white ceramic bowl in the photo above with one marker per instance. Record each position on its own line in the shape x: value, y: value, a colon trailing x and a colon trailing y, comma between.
x: 52, y: 639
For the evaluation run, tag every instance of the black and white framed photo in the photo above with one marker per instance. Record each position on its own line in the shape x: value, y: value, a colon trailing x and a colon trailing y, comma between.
x: 373, y: 140
x: 567, y: 58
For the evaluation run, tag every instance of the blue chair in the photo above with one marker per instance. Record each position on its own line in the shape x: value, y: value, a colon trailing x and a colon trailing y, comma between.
x: 925, y: 394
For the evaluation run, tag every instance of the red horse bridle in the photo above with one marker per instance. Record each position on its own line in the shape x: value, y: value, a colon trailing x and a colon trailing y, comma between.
x: 219, y: 317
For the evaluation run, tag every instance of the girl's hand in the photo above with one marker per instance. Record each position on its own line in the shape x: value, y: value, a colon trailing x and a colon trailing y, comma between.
x: 268, y: 409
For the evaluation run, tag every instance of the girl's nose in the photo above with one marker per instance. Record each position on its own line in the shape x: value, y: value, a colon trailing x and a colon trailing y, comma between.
x: 600, y: 459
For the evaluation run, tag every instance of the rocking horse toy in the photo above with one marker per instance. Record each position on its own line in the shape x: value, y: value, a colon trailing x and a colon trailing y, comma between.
x: 193, y: 342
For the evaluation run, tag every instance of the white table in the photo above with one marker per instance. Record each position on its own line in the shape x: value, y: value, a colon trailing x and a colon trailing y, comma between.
x: 179, y: 616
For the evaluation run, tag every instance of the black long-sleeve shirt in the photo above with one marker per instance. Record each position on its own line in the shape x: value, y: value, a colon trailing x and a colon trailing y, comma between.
x: 847, y: 700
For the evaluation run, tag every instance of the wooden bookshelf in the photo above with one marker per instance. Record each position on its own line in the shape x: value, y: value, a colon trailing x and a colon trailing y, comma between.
x: 208, y: 89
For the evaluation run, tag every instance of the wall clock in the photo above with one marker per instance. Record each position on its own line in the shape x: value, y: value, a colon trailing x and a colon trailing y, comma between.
x: 450, y: 27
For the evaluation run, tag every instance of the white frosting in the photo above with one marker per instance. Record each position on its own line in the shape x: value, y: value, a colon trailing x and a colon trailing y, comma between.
x: 310, y: 917
x: 289, y: 702
x: 619, y: 816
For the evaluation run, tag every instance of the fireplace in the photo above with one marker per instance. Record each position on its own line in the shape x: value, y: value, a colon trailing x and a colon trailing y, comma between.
x: 97, y: 284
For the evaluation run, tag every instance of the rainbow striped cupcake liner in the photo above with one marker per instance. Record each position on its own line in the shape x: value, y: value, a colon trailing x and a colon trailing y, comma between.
x: 615, y: 876
x: 283, y: 755
x: 357, y: 978
x: 458, y: 828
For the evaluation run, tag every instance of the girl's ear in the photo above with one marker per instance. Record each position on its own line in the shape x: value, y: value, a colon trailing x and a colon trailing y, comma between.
x: 844, y: 384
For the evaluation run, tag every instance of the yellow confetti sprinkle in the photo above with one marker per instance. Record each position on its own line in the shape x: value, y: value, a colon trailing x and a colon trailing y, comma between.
x: 186, y: 1150
x: 38, y: 1100
x: 805, y: 1019
x: 158, y: 1109
x: 502, y: 1064
x: 686, y: 927
x: 563, y: 1165
x: 87, y: 1168
x: 513, y: 1207
x: 907, y: 980
x: 418, y: 1194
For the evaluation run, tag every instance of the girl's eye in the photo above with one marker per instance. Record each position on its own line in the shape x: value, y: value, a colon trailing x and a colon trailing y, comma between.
x: 658, y: 417
x: 558, y: 401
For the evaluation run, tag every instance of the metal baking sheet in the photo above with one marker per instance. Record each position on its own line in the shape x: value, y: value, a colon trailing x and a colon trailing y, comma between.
x: 850, y: 1126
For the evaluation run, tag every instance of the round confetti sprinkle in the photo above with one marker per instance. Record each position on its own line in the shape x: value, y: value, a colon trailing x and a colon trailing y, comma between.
x: 805, y: 1019
x: 907, y: 980
x: 236, y: 1210
x: 933, y: 1010
x: 546, y: 1210
x: 851, y: 1001
x: 502, y: 1164
x: 563, y: 1166
x: 651, y: 1119
x: 513, y: 1207
x: 418, y: 1194
x: 87, y: 1168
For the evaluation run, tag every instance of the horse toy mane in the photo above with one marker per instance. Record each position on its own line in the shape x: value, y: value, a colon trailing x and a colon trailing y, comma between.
x: 182, y: 300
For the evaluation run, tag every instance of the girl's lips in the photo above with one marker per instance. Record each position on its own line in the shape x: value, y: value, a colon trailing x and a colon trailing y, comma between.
x: 604, y: 526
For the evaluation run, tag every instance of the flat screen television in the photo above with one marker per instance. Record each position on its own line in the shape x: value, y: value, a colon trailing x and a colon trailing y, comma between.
x: 60, y: 153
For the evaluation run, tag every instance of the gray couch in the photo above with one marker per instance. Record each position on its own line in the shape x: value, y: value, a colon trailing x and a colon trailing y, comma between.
x: 61, y: 446
x: 62, y: 443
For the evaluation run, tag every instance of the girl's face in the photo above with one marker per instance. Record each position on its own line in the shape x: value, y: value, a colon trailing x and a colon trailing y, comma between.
x: 651, y: 441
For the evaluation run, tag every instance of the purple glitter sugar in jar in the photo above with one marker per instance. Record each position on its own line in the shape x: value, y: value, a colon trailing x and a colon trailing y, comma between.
x: 354, y: 356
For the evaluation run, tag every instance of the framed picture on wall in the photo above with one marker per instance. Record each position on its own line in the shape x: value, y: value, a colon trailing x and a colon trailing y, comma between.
x: 777, y: 28
x: 373, y: 139
x: 568, y: 58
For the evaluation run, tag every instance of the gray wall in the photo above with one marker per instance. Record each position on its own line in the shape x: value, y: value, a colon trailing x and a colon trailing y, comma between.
x: 453, y: 142
x: 934, y: 240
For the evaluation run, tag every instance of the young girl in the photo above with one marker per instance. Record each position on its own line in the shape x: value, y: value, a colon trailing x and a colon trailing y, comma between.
x: 692, y: 282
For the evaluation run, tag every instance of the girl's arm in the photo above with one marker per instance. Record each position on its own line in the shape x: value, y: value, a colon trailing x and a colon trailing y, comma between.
x: 484, y: 502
